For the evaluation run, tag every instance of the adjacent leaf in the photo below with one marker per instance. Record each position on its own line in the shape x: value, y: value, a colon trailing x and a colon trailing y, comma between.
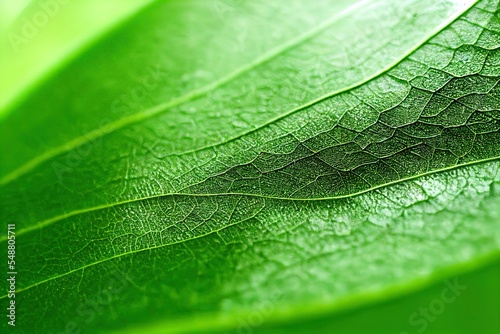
x: 40, y: 36
x: 210, y: 160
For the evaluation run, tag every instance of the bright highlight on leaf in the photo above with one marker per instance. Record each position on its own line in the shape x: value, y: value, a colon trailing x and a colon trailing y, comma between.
x: 186, y: 165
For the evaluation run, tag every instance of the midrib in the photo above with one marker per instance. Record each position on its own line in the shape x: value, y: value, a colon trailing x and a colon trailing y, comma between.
x: 224, y: 227
x: 153, y: 111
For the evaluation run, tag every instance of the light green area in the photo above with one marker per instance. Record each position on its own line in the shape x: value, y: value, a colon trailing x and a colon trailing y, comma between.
x: 213, y: 162
x: 45, y: 35
x: 9, y: 11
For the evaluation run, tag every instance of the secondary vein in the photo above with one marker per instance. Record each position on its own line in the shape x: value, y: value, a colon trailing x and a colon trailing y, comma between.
x: 92, y: 135
x: 208, y: 88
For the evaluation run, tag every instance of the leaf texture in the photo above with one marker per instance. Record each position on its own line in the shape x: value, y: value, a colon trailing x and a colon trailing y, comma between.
x: 215, y: 172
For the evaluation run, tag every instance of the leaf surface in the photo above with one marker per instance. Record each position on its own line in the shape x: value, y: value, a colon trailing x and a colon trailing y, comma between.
x: 253, y: 157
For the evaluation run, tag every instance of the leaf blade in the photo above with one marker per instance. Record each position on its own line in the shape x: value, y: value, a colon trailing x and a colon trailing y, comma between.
x: 254, y: 214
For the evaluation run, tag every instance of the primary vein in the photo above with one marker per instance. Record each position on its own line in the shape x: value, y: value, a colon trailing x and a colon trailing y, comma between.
x: 216, y: 230
x: 53, y: 220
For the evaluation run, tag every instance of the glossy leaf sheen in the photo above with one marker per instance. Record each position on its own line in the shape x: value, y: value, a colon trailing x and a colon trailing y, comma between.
x: 210, y: 160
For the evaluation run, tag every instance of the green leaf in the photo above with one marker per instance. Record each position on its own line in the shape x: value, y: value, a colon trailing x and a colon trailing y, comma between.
x: 213, y: 161
x: 41, y: 36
